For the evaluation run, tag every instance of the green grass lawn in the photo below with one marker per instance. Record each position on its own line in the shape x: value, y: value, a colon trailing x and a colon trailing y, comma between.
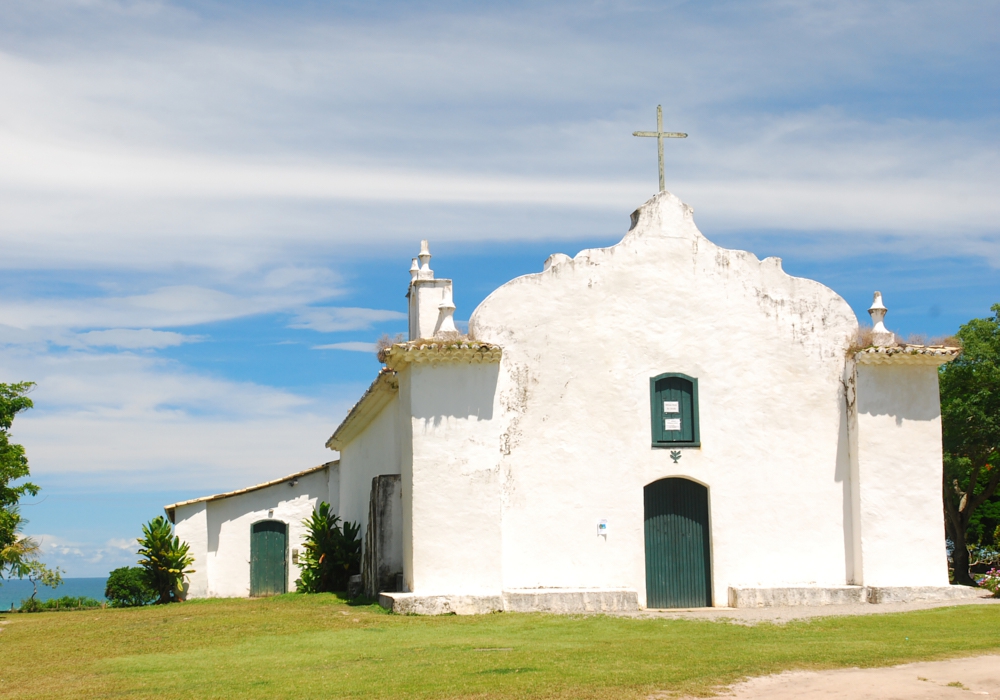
x: 299, y: 646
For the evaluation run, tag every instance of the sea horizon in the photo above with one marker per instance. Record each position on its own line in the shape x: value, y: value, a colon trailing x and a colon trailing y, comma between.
x: 13, y: 591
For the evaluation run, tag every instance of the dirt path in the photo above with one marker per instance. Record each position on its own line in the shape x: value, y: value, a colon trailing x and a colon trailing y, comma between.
x: 956, y: 678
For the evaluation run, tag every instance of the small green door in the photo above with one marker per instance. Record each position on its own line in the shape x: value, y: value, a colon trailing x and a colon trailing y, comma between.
x: 268, y: 547
x: 677, y: 547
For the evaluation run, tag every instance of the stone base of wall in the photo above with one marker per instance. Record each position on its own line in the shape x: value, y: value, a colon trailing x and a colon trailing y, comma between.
x: 905, y: 594
x: 552, y: 600
x: 846, y: 595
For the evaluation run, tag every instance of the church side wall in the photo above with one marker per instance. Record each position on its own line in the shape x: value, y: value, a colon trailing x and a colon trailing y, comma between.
x: 229, y: 520
x: 455, y: 535
x: 191, y: 526
x: 899, y: 458
x: 581, y: 342
x: 372, y: 453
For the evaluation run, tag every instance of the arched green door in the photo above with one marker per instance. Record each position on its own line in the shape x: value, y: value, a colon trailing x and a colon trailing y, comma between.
x: 268, y: 547
x: 678, y: 569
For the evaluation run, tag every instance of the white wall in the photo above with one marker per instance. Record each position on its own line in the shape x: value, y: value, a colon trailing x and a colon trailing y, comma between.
x: 452, y: 540
x: 191, y: 526
x: 373, y: 452
x: 898, y: 467
x: 581, y: 342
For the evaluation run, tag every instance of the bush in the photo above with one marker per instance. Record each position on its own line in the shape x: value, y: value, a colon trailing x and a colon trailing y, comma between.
x: 165, y: 560
x: 128, y: 587
x: 31, y: 605
x: 332, y: 552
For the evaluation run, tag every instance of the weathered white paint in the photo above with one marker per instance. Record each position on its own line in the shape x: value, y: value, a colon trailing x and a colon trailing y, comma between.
x: 581, y: 341
x: 898, y: 476
x: 218, y: 531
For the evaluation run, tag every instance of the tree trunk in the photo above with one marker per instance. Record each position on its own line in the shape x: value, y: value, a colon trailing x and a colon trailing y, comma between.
x: 961, y: 558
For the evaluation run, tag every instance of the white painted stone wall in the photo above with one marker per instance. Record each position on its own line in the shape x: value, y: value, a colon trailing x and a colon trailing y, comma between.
x: 898, y: 473
x: 581, y: 341
x: 374, y: 452
x: 192, y: 527
x: 451, y: 488
x: 219, y: 532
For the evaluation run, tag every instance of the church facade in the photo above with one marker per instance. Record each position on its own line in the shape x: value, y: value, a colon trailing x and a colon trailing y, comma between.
x: 662, y: 423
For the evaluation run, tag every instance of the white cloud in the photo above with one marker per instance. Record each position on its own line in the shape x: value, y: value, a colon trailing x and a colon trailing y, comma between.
x: 328, y: 319
x: 135, y: 339
x: 353, y: 346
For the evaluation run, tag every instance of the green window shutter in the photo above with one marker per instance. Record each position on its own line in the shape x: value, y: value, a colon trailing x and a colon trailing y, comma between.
x: 674, y: 410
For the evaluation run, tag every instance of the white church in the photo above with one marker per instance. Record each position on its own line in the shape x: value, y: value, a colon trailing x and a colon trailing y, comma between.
x: 662, y: 423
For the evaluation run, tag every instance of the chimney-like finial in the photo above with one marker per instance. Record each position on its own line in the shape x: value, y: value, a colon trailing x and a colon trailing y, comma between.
x: 414, y: 270
x: 881, y: 336
x: 426, y: 273
x: 447, y: 311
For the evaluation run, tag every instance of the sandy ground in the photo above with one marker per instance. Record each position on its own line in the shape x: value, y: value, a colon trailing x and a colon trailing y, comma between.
x: 957, y: 678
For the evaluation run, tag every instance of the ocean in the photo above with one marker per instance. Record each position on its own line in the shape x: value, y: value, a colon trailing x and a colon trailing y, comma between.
x: 17, y: 590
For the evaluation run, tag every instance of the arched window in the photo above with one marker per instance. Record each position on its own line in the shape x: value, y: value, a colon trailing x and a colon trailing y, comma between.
x: 674, y: 410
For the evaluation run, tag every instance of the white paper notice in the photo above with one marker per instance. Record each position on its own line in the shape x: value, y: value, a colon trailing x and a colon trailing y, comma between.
x: 671, y: 406
x: 671, y: 423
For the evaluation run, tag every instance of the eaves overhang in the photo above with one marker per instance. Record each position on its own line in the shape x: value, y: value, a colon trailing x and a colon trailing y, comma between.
x: 383, y: 390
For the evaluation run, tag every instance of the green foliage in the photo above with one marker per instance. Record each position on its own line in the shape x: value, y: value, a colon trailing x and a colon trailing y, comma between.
x: 128, y: 587
x: 970, y: 419
x: 14, y: 549
x: 32, y: 604
x: 331, y: 554
x: 165, y: 560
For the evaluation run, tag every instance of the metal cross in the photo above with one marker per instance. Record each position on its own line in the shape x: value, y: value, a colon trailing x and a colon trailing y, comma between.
x: 660, y: 134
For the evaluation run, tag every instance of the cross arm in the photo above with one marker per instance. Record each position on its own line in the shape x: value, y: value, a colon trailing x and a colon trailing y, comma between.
x: 665, y: 134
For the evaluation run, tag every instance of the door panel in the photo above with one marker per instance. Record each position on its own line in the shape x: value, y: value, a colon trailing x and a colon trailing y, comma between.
x: 678, y: 567
x: 268, y: 547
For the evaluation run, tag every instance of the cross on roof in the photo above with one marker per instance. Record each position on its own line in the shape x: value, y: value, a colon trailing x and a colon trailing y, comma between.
x: 660, y: 134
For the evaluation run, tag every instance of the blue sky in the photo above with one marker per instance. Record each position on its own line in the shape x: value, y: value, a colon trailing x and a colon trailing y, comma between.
x: 196, y: 196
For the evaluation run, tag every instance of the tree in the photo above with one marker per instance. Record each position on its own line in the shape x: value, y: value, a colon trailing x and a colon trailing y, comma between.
x: 332, y: 553
x: 15, y: 549
x: 165, y: 560
x: 128, y: 587
x: 36, y: 572
x: 970, y: 419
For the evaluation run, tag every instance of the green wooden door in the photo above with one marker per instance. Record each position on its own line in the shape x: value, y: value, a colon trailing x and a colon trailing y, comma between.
x: 678, y: 571
x: 268, y: 547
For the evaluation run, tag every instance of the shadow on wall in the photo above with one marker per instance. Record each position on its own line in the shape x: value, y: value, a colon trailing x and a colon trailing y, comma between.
x: 458, y: 391
x: 903, y: 392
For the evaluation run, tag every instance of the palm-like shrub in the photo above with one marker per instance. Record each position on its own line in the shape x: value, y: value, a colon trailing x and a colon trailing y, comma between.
x: 165, y: 560
x: 129, y: 587
x: 332, y: 552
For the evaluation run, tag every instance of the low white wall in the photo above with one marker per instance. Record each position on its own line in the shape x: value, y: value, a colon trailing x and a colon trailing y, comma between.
x: 899, y: 458
x: 453, y: 484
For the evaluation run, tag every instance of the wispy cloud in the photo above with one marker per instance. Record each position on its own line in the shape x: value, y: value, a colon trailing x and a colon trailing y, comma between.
x: 352, y: 346
x: 332, y: 319
x: 135, y: 339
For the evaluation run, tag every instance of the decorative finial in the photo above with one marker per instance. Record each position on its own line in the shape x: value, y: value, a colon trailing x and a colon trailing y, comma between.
x: 447, y: 308
x: 414, y: 270
x: 426, y: 273
x: 881, y: 336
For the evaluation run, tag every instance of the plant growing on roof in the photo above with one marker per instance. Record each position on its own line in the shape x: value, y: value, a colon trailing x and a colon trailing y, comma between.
x: 165, y: 560
x: 332, y: 552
